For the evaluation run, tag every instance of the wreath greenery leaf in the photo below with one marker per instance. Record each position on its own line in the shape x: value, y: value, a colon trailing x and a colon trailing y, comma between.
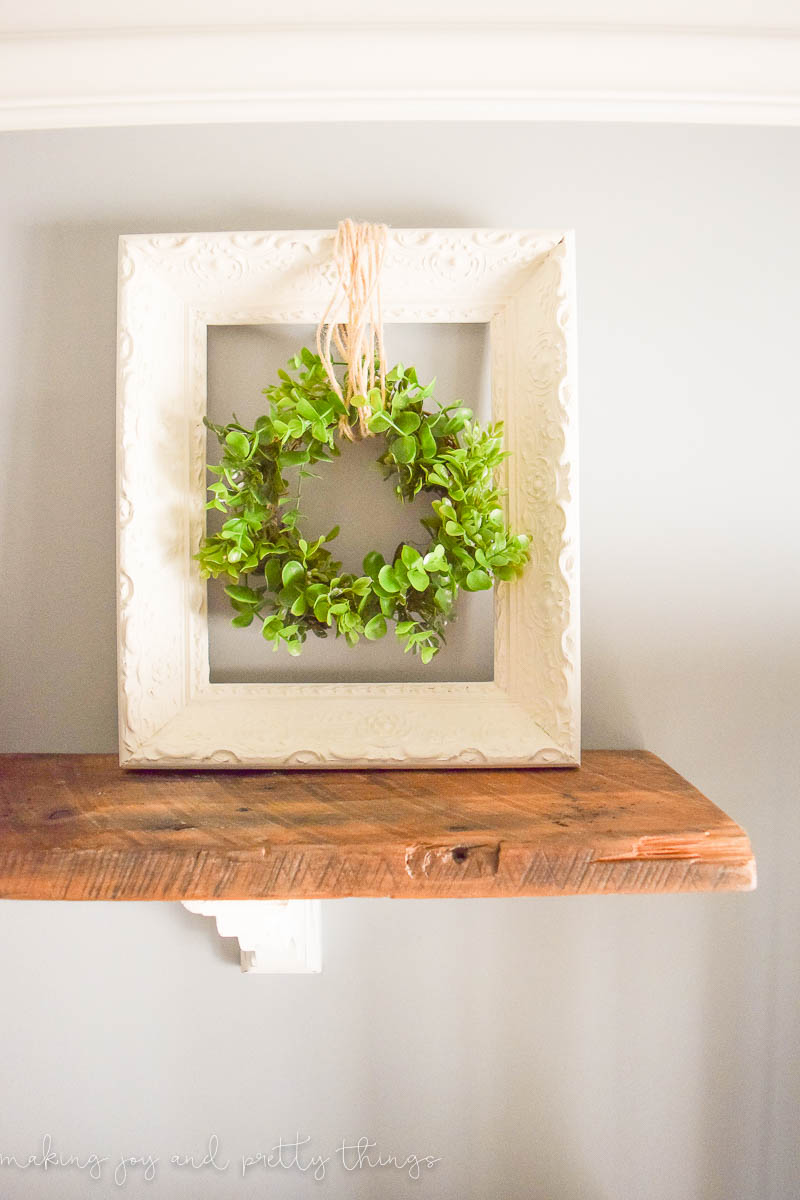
x: 293, y: 585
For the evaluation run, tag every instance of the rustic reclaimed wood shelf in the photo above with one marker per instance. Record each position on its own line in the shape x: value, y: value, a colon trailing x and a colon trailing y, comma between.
x: 78, y: 827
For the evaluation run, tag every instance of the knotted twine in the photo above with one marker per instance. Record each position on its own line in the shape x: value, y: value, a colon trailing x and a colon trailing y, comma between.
x: 357, y: 257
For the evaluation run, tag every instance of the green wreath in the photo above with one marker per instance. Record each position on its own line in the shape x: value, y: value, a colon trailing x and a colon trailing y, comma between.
x: 291, y: 583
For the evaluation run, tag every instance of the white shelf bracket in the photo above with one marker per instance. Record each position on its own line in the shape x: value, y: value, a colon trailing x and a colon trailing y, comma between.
x: 276, y: 937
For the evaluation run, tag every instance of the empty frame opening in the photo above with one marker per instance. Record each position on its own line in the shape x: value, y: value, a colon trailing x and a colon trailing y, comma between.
x: 350, y: 492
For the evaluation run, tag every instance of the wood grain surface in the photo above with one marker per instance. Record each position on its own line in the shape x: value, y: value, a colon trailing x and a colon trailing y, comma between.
x: 79, y: 827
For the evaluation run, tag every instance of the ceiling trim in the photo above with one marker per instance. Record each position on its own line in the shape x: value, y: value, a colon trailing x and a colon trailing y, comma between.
x: 466, y: 72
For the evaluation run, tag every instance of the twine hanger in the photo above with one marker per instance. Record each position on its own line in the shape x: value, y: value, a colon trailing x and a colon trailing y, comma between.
x: 358, y: 257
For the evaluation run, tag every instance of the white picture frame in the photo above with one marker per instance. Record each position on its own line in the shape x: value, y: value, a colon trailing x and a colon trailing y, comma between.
x: 171, y: 288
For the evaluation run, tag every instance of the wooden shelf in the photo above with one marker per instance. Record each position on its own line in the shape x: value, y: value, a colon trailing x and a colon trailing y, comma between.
x: 78, y: 827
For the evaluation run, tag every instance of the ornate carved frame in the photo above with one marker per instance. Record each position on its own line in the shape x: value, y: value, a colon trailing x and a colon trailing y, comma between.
x: 171, y: 288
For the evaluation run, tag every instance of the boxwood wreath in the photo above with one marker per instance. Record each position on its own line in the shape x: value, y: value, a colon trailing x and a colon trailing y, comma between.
x: 292, y: 583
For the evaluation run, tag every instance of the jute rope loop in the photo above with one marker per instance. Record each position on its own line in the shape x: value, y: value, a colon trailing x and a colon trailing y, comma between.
x: 358, y: 257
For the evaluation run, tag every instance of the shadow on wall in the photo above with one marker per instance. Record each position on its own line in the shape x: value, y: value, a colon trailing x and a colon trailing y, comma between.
x: 614, y: 724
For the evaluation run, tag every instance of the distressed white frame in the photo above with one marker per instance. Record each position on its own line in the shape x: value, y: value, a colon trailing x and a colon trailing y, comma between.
x: 171, y: 288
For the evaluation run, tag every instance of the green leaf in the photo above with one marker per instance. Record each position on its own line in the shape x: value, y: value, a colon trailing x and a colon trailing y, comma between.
x: 458, y: 419
x: 443, y: 599
x: 243, y: 620
x: 401, y: 571
x: 426, y: 653
x: 435, y: 557
x: 378, y: 422
x: 244, y: 595
x: 373, y: 563
x: 388, y: 580
x: 418, y: 579
x: 427, y: 442
x: 238, y: 443
x: 407, y: 422
x: 404, y: 449
x: 375, y: 628
x: 292, y: 571
x: 477, y: 581
x: 437, y: 479
x: 293, y: 458
x: 306, y: 410
x: 335, y: 402
x: 410, y: 556
x: 331, y: 534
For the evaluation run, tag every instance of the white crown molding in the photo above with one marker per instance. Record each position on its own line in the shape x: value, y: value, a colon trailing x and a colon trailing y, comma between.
x: 470, y: 71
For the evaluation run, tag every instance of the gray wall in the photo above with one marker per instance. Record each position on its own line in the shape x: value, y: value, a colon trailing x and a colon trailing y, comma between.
x: 590, y: 1048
